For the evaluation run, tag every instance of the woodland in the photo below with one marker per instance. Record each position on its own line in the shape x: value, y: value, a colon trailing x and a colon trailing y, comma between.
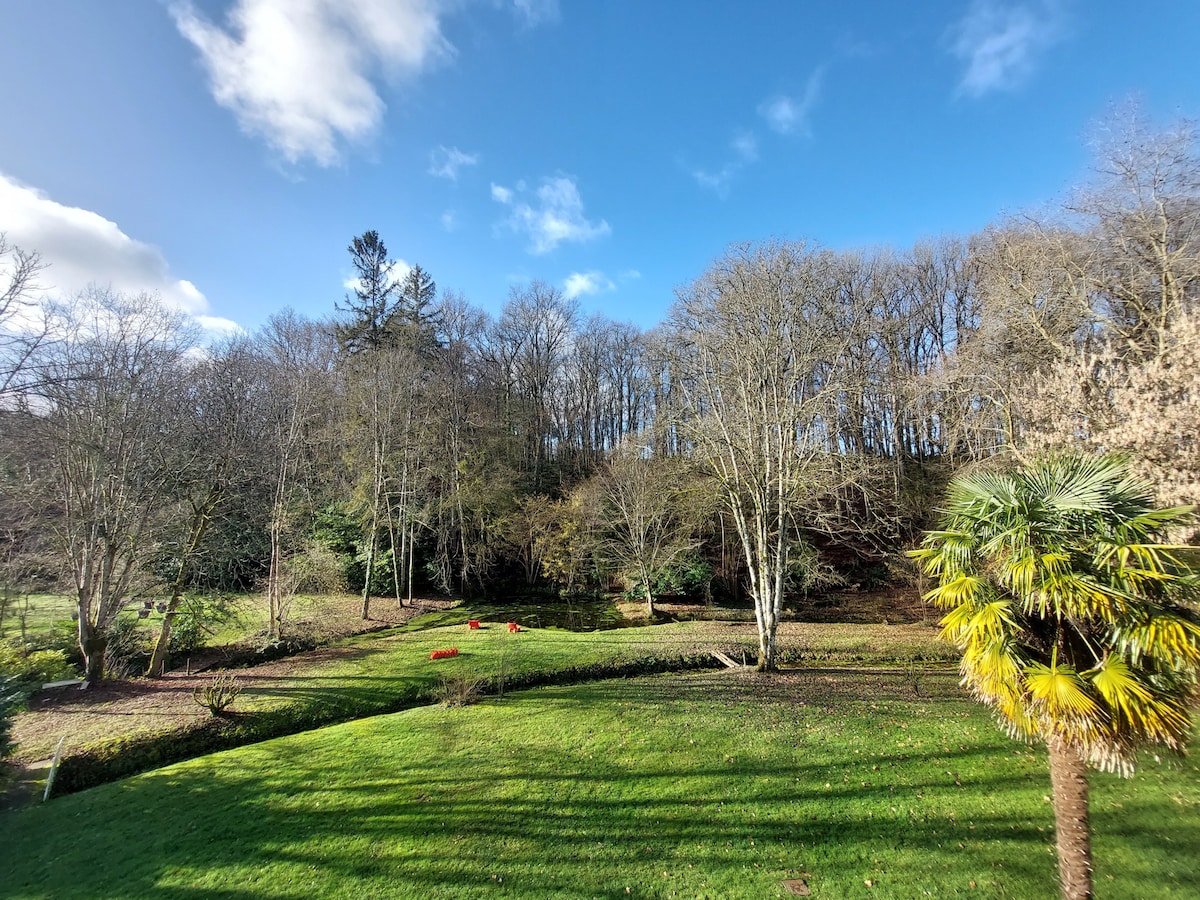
x: 798, y: 423
x: 790, y: 426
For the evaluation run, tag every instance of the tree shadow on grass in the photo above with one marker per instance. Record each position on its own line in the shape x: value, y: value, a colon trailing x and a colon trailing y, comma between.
x: 573, y: 792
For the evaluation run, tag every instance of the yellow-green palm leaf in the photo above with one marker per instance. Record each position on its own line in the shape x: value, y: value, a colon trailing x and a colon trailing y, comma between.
x: 1073, y: 615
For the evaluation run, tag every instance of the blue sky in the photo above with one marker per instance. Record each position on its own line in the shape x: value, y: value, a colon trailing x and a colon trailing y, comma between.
x: 224, y: 152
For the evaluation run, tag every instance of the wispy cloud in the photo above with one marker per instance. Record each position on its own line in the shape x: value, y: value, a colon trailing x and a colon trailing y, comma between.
x: 745, y: 145
x: 299, y: 73
x: 82, y: 248
x: 445, y: 162
x: 790, y: 115
x: 1001, y: 43
x: 745, y: 151
x: 556, y: 215
x: 449, y: 220
x: 536, y: 12
x: 579, y: 284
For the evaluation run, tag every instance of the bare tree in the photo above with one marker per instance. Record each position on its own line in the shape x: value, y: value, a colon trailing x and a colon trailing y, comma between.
x: 24, y: 323
x: 297, y: 359
x: 645, y: 505
x: 218, y: 439
x: 761, y: 363
x: 109, y: 449
x: 1141, y: 218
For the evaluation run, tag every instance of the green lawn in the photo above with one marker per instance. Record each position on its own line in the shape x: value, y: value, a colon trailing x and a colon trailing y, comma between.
x: 711, y: 785
x: 40, y: 613
x: 390, y: 670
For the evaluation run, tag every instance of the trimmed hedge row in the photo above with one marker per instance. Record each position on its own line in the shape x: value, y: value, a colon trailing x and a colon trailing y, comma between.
x: 134, y: 754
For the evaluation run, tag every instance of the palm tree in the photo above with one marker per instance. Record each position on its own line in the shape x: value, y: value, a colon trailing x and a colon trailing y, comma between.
x: 1072, y: 615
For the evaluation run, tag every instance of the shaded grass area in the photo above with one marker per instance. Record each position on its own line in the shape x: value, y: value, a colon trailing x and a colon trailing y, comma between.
x: 586, y: 614
x: 712, y: 785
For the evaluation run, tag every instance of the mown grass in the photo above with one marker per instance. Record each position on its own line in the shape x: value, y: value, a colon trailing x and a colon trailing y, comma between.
x: 380, y: 667
x: 389, y: 671
x: 33, y: 615
x: 715, y: 785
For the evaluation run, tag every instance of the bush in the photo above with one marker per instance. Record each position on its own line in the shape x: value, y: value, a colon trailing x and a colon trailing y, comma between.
x: 127, y: 652
x: 195, y: 621
x: 22, y: 671
x: 10, y: 699
x: 64, y: 638
x: 218, y: 694
x: 459, y: 690
x: 28, y: 668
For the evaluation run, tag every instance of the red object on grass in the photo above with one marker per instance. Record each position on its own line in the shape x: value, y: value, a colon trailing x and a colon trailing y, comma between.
x: 443, y: 654
x: 513, y: 627
x: 473, y: 623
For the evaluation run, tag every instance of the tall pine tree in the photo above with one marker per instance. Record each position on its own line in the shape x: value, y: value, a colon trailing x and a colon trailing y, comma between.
x: 373, y: 307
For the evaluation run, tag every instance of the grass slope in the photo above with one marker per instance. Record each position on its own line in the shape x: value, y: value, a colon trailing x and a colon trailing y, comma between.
x: 713, y: 785
x: 381, y: 672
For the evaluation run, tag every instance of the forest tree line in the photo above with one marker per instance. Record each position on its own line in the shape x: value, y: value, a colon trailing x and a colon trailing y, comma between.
x: 792, y: 422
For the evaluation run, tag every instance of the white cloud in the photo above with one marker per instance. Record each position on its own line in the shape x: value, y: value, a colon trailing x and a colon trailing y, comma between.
x: 581, y: 283
x: 81, y: 248
x: 719, y: 181
x: 788, y: 115
x: 444, y: 162
x: 218, y: 326
x: 449, y: 220
x: 1001, y: 42
x: 558, y: 216
x: 299, y: 73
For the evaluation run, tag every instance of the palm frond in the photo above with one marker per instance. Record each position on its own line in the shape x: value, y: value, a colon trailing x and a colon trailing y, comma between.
x: 1059, y: 691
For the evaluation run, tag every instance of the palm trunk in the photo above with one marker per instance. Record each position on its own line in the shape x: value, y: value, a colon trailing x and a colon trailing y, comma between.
x: 1072, y: 832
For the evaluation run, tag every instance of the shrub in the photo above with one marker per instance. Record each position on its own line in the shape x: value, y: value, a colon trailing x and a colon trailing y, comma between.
x: 127, y: 651
x: 10, y: 699
x: 218, y: 694
x: 459, y: 690
x: 29, y: 668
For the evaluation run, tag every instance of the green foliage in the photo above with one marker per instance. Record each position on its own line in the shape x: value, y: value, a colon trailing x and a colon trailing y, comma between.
x: 23, y: 670
x: 337, y: 530
x: 30, y: 668
x: 62, y: 636
x: 11, y: 699
x: 690, y: 576
x: 198, y: 618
